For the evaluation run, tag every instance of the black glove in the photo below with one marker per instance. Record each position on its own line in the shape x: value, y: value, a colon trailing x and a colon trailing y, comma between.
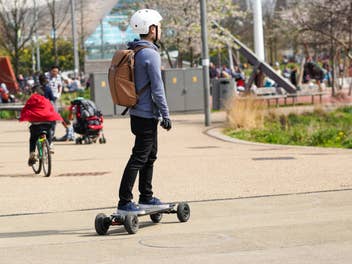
x: 166, y: 124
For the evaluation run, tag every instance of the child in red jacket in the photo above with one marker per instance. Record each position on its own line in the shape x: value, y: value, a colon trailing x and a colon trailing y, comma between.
x: 41, y: 114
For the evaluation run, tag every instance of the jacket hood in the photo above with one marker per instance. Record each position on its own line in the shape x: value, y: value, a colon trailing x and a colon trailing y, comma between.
x: 136, y: 43
x: 39, y: 109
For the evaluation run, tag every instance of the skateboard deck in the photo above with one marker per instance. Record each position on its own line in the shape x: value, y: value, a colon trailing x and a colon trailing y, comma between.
x: 131, y: 222
x: 154, y: 210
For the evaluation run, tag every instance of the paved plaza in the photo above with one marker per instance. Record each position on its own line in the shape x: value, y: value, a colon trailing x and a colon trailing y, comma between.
x: 250, y: 203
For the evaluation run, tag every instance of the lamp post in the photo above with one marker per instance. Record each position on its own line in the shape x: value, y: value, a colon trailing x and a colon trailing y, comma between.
x: 258, y: 29
x: 205, y: 61
x: 74, y: 38
x: 36, y: 42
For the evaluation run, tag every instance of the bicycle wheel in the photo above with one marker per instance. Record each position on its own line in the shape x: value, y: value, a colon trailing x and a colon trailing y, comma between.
x: 37, y: 167
x: 46, y: 159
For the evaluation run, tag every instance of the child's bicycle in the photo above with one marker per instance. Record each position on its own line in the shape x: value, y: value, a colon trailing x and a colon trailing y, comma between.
x: 43, y: 156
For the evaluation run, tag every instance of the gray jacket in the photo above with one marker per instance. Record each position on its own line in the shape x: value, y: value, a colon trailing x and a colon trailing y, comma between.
x: 147, y: 69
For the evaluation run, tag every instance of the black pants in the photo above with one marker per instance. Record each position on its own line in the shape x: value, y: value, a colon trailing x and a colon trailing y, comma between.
x: 142, y: 160
x: 35, y: 131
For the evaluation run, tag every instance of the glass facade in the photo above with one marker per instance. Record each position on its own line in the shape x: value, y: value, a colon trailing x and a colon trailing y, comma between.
x: 112, y: 33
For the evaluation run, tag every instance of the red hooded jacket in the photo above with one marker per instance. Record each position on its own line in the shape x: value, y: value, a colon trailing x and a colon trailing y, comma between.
x: 39, y: 109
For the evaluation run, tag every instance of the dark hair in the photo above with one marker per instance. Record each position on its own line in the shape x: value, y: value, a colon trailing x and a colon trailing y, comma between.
x: 43, y: 79
x: 55, y: 67
x: 37, y: 89
x: 142, y: 36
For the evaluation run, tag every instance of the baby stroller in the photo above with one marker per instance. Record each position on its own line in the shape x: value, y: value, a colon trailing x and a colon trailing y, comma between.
x: 88, y: 121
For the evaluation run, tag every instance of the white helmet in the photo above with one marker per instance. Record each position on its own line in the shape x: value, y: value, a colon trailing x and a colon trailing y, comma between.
x: 143, y: 19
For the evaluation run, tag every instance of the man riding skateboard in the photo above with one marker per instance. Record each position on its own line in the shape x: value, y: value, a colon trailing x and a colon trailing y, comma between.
x: 145, y: 115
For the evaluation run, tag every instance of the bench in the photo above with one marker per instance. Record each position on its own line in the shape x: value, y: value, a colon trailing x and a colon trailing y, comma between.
x: 11, y: 106
x: 17, y: 107
x: 269, y: 93
x: 312, y: 94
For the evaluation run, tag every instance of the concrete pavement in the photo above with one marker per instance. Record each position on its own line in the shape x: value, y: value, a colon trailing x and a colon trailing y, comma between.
x: 249, y: 202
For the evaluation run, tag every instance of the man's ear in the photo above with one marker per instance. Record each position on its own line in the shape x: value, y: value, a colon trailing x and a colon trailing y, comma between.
x: 152, y: 29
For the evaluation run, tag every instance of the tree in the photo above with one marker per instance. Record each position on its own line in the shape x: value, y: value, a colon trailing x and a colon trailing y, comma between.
x: 57, y: 11
x: 327, y: 23
x: 182, y: 29
x: 16, y: 28
x: 64, y: 55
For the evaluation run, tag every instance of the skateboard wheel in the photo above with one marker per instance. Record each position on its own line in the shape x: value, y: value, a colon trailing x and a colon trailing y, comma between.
x: 131, y: 224
x: 102, y: 224
x: 183, y: 212
x: 156, y: 218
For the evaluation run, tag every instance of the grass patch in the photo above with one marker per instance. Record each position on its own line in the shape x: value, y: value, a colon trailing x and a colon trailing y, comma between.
x: 317, y: 128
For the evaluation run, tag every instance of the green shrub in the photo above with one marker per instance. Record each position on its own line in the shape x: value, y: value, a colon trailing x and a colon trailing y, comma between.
x: 319, y: 128
x: 5, y: 114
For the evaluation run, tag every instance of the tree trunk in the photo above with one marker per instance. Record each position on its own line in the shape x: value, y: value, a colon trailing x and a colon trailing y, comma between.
x: 219, y: 58
x: 53, y: 28
x: 82, y: 66
x: 332, y: 56
x: 192, y: 58
x: 167, y: 54
x: 271, y: 50
x: 16, y: 61
x: 55, y: 46
x: 180, y: 60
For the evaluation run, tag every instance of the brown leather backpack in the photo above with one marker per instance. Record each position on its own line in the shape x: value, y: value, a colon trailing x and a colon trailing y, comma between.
x: 121, y: 78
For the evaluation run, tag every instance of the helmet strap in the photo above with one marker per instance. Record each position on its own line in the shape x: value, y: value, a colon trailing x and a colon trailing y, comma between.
x: 156, y: 36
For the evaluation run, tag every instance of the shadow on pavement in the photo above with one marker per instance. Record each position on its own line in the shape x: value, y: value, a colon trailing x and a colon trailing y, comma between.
x: 41, y: 233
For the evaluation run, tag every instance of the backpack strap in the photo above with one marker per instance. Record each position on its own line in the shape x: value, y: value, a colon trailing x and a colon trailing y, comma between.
x: 138, y: 49
x: 145, y: 87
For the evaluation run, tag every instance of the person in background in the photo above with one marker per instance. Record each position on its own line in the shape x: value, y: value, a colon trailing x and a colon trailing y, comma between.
x: 240, y: 78
x: 225, y: 72
x: 70, y: 134
x: 21, y: 82
x: 213, y: 73
x: 4, y: 93
x: 293, y: 75
x: 41, y: 114
x: 55, y: 83
x: 44, y: 82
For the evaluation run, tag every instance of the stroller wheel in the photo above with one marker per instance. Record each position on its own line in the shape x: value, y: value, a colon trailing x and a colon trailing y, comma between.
x: 87, y: 140
x: 102, y: 140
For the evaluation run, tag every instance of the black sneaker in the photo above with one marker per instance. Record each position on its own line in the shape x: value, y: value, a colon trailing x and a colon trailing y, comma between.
x: 32, y: 159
